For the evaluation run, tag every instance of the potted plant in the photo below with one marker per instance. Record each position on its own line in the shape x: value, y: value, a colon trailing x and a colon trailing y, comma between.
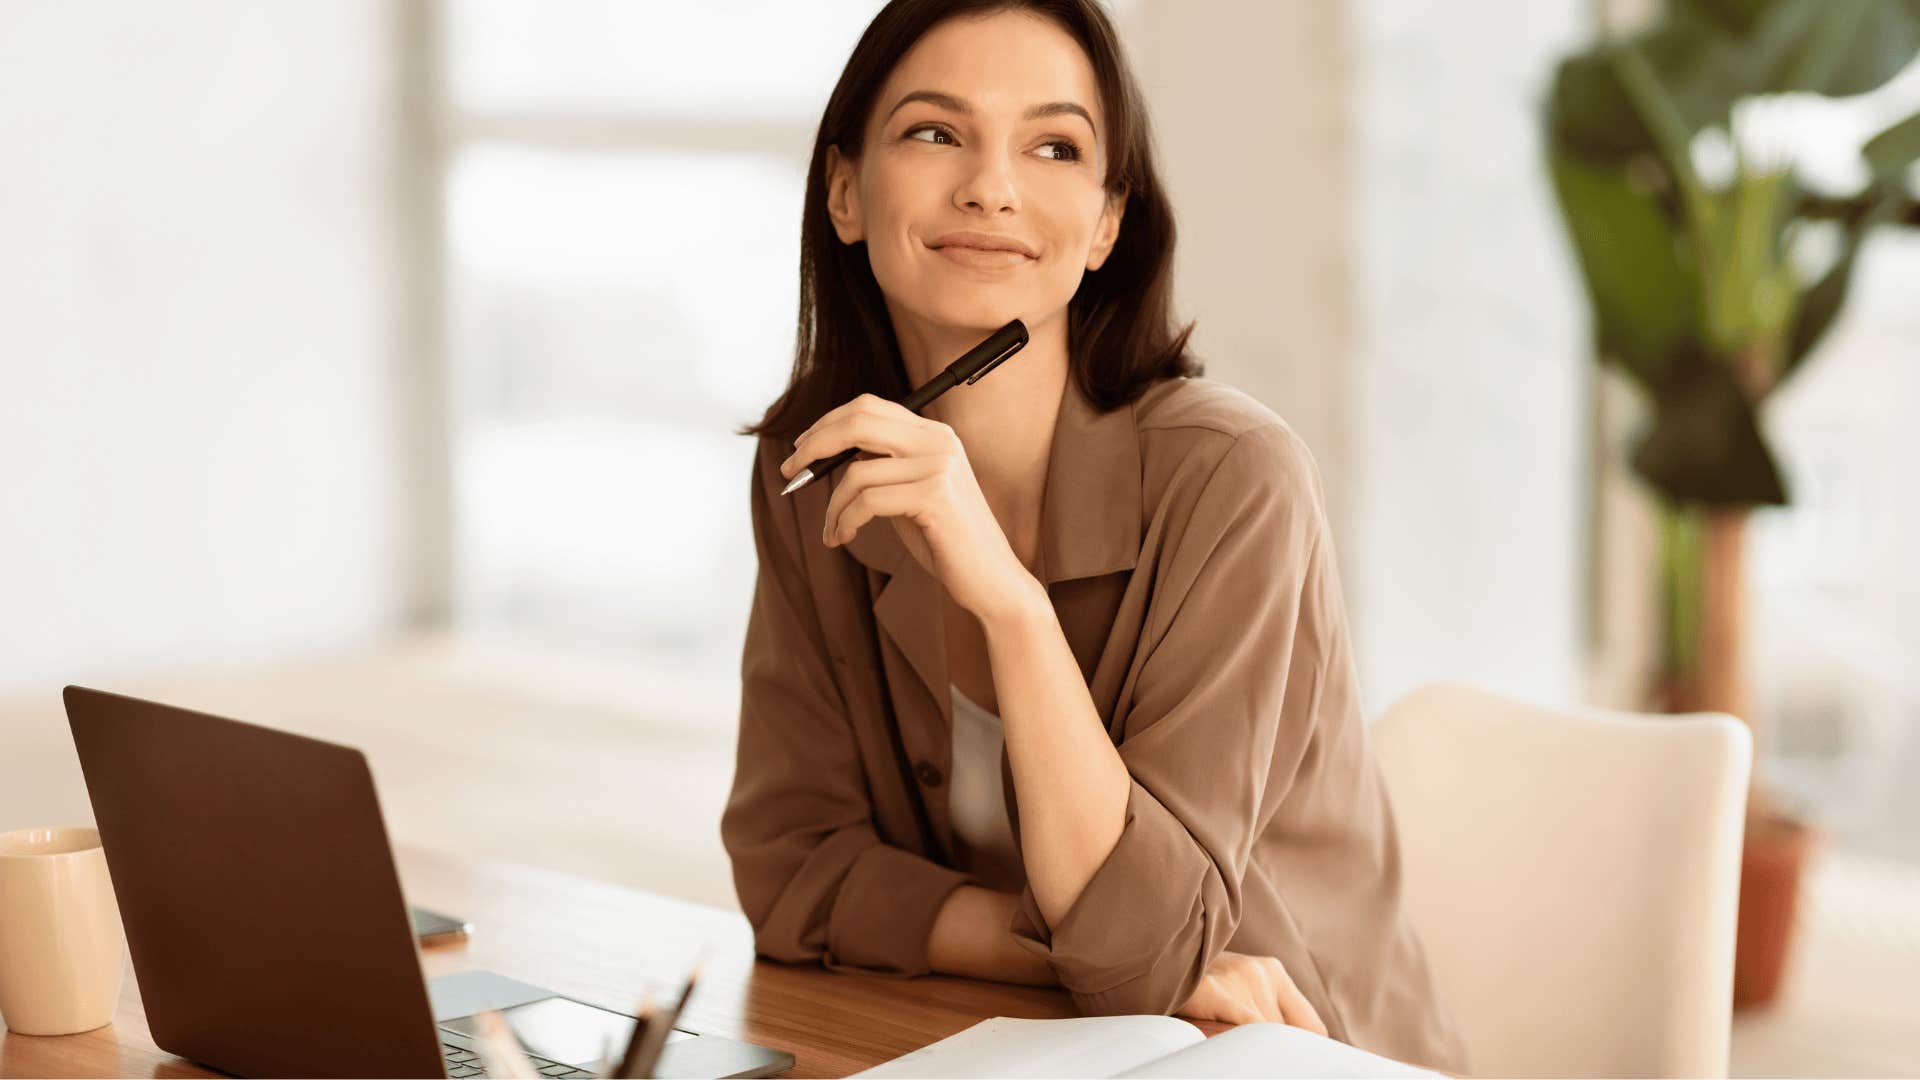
x: 1700, y: 295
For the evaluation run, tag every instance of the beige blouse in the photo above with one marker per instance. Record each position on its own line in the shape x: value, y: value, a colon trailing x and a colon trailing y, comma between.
x: 1184, y: 543
x: 978, y: 804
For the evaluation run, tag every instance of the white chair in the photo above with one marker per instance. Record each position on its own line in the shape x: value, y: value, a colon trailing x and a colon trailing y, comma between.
x: 1574, y: 876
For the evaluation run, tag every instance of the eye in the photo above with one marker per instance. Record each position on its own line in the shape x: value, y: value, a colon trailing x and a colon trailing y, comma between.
x: 935, y: 129
x: 1071, y: 153
x: 1070, y: 150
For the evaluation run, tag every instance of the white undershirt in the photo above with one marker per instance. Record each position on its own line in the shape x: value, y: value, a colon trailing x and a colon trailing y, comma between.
x: 978, y: 796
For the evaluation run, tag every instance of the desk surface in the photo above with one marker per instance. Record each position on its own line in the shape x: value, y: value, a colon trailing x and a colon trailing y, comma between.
x: 611, y: 945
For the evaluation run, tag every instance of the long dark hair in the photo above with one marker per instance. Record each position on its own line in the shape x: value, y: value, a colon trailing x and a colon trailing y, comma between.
x: 1120, y: 328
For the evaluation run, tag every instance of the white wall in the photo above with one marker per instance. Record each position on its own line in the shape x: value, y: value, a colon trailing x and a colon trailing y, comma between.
x: 1251, y: 105
x: 197, y: 435
x: 1473, y: 361
x: 1369, y: 243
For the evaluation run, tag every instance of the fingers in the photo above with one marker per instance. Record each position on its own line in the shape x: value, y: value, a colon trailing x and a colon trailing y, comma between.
x: 873, y: 424
x: 1240, y: 1011
x: 1226, y: 999
x: 1263, y: 994
x: 862, y: 475
x: 886, y: 500
x: 865, y: 403
x: 1247, y: 989
x: 1295, y: 1009
x: 1239, y: 988
x: 1255, y: 1005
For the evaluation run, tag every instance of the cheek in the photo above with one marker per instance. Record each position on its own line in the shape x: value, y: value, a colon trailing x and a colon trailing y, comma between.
x: 1072, y: 219
x: 891, y: 216
x: 1070, y: 235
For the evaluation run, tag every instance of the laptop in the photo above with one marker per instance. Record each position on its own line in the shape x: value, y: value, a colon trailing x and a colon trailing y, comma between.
x: 266, y: 924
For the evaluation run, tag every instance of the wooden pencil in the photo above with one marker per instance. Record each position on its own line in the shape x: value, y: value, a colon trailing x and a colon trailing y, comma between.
x: 642, y: 1026
x: 657, y: 1041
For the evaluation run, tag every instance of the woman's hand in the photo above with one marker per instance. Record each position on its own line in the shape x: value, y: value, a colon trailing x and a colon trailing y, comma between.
x: 1241, y: 989
x: 924, y: 484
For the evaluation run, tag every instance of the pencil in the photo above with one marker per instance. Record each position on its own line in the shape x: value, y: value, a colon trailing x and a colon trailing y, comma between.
x: 657, y: 1042
x: 500, y: 1051
x: 642, y: 1020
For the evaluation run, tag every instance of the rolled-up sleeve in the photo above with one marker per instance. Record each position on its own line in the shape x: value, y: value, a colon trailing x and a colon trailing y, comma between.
x: 1221, y: 711
x: 813, y: 877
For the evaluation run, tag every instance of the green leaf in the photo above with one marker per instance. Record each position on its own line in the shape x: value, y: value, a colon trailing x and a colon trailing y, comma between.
x: 1702, y: 66
x: 1821, y: 303
x: 1729, y: 16
x: 1742, y: 48
x: 1644, y: 297
x: 1892, y: 152
x: 1704, y: 443
x: 1778, y: 36
x: 1749, y: 286
x: 1658, y: 111
x: 1588, y: 114
x: 1844, y: 47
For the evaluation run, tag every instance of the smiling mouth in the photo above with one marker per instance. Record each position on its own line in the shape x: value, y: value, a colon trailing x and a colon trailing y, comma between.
x: 981, y: 257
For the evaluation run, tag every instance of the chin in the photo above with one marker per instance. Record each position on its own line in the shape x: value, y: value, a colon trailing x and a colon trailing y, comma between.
x: 986, y: 308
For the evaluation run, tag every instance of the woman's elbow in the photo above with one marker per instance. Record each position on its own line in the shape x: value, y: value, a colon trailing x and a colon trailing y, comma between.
x: 775, y: 940
x: 776, y: 935
x: 1156, y: 992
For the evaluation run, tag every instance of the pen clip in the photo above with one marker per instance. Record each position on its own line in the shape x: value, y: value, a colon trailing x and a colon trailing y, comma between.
x: 994, y: 363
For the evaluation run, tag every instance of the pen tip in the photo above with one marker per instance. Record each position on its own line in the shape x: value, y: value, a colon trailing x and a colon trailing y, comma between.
x: 797, y: 482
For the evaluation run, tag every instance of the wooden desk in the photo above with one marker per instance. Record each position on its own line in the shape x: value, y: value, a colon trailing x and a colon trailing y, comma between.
x: 609, y: 945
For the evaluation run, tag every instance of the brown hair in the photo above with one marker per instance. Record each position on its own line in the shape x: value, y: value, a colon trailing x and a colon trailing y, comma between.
x: 1120, y: 328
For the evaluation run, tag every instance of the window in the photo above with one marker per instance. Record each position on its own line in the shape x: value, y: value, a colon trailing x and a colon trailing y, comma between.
x: 622, y: 191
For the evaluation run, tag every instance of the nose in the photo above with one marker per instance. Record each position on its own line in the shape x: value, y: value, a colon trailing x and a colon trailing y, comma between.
x: 989, y: 186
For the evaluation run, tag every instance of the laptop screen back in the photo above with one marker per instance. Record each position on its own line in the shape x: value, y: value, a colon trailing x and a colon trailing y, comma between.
x: 258, y: 891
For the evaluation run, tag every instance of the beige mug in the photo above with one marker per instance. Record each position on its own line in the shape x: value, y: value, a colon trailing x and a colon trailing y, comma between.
x: 61, y: 946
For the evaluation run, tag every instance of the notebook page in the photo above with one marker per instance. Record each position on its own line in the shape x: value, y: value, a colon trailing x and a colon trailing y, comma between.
x: 1083, y: 1046
x: 1274, y: 1050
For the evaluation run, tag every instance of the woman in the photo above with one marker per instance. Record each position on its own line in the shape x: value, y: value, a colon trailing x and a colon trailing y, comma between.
x: 1080, y: 709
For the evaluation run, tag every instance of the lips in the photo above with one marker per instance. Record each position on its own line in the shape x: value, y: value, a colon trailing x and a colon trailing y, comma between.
x: 984, y: 261
x: 981, y: 241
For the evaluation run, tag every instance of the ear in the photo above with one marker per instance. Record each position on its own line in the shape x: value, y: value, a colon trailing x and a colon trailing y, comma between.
x: 843, y: 197
x: 1107, y: 232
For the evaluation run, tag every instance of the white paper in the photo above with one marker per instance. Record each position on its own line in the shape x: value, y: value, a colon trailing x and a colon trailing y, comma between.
x: 1083, y: 1046
x: 1274, y: 1050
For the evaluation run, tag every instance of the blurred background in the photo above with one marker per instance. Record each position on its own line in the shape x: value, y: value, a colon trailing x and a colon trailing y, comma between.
x: 342, y: 343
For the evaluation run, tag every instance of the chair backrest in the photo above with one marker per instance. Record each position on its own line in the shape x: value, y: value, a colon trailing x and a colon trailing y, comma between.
x: 1574, y: 876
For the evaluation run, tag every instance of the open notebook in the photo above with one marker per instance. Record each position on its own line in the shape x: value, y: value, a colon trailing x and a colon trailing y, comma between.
x: 1100, y: 1046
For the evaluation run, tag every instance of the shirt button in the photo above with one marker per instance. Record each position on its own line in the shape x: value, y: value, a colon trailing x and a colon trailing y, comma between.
x: 929, y: 775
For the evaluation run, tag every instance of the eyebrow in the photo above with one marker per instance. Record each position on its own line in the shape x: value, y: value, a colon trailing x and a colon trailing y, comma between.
x: 948, y: 101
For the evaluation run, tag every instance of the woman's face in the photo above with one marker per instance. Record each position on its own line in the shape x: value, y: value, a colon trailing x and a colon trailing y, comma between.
x: 974, y: 160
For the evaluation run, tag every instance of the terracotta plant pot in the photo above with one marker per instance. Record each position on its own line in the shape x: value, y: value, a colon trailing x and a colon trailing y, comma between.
x: 1771, y: 867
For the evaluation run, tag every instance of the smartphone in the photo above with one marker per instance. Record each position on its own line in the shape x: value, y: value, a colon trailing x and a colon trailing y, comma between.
x: 432, y: 927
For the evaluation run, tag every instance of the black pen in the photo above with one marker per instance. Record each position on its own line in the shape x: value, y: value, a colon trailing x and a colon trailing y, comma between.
x: 970, y: 368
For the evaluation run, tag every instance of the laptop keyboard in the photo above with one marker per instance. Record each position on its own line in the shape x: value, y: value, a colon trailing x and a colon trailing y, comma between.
x: 462, y: 1062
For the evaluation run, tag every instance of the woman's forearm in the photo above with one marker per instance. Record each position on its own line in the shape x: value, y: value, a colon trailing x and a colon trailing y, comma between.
x: 1070, y: 781
x: 970, y: 937
x: 1072, y: 788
